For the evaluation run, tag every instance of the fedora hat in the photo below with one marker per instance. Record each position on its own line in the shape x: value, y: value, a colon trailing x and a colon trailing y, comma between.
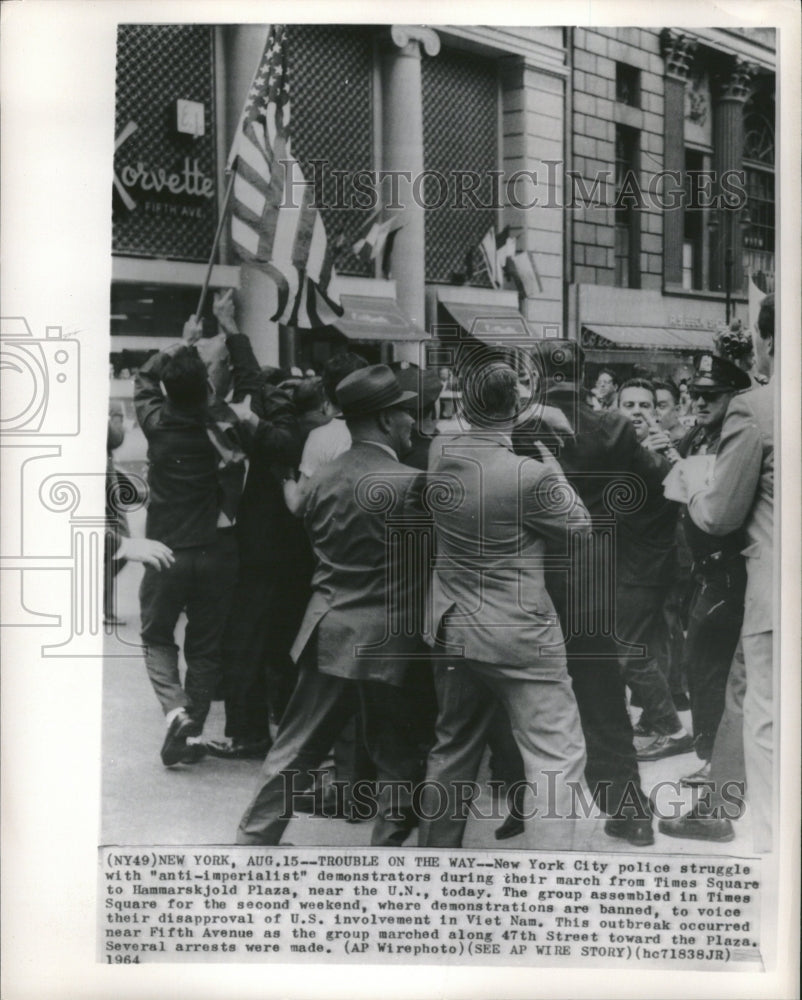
x: 718, y: 375
x: 369, y: 390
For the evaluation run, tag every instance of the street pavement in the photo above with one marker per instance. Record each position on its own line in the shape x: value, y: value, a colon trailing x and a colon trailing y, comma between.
x: 144, y: 802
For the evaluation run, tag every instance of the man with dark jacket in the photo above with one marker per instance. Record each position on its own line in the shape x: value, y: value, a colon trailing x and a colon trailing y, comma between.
x: 348, y: 647
x: 275, y: 563
x: 196, y: 472
x: 599, y: 456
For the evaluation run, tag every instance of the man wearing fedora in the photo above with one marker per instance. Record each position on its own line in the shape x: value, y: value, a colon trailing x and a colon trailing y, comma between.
x: 492, y: 611
x: 349, y: 649
x: 718, y: 574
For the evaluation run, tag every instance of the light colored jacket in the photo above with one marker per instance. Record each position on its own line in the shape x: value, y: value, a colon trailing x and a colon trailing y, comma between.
x: 497, y: 512
x: 359, y: 594
x: 741, y: 494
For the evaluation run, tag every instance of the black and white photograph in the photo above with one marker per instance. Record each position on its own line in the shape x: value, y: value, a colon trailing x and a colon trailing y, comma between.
x: 434, y: 598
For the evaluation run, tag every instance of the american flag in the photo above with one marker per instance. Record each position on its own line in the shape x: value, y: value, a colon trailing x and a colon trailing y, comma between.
x: 274, y: 225
x: 496, y: 249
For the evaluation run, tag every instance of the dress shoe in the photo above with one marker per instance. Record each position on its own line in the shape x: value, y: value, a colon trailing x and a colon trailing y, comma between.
x: 175, y: 742
x: 239, y: 749
x: 666, y: 746
x: 513, y: 826
x: 635, y: 831
x: 699, y: 778
x: 696, y: 826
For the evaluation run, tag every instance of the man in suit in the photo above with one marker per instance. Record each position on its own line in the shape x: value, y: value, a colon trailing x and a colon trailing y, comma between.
x: 491, y: 607
x: 348, y: 648
x: 740, y: 494
x: 600, y: 456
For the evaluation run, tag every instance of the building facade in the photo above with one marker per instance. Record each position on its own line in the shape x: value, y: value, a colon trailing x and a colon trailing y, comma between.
x: 608, y: 155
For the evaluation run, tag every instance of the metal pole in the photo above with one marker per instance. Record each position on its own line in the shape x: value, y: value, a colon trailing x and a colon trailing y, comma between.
x: 220, y: 222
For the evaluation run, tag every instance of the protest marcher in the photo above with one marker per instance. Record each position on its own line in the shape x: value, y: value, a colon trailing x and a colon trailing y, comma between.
x: 196, y: 473
x: 506, y: 508
x: 598, y: 452
x: 645, y: 571
x: 274, y: 562
x: 353, y: 598
x: 740, y: 494
x: 605, y: 389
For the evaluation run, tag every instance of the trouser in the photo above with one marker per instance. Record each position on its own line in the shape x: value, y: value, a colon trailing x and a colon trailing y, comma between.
x: 612, y: 767
x: 744, y: 741
x: 545, y: 723
x: 319, y: 707
x: 638, y: 611
x: 111, y: 567
x: 727, y: 768
x: 258, y: 673
x: 200, y: 582
x: 715, y: 616
x: 669, y: 639
x: 759, y: 735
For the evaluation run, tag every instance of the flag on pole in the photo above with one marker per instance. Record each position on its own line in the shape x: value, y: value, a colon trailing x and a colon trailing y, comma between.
x: 525, y: 275
x: 274, y: 224
x: 379, y: 241
x: 496, y: 249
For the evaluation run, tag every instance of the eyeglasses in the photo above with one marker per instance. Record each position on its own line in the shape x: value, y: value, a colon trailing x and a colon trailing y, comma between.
x: 708, y: 395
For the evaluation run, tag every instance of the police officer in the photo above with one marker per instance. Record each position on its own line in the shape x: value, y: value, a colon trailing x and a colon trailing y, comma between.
x: 718, y: 574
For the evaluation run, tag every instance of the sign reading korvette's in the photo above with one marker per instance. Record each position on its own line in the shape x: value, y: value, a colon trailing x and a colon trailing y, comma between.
x: 164, y: 190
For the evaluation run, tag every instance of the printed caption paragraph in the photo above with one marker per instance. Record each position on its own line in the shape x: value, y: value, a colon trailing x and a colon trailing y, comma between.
x: 287, y: 905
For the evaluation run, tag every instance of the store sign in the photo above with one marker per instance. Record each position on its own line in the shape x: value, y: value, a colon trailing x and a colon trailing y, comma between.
x: 165, y: 156
x: 693, y: 322
x: 128, y: 179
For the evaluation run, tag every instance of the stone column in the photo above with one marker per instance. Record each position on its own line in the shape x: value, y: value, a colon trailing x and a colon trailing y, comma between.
x: 678, y: 53
x: 730, y: 95
x: 402, y: 152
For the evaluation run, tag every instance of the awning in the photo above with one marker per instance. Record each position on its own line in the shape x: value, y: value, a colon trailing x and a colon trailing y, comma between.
x: 662, y: 338
x: 367, y: 318
x: 487, y: 322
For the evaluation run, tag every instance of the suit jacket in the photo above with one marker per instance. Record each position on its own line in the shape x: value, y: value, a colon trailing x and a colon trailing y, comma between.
x: 489, y: 592
x: 741, y: 493
x: 356, y: 595
x: 604, y: 462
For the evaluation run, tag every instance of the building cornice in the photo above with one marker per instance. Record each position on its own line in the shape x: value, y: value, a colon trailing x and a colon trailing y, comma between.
x: 735, y: 45
x: 496, y: 41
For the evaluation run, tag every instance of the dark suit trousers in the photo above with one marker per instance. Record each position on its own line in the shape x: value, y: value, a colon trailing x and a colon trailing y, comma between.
x: 258, y: 673
x: 200, y: 582
x: 319, y: 708
x: 714, y: 625
x: 638, y: 612
x: 612, y: 767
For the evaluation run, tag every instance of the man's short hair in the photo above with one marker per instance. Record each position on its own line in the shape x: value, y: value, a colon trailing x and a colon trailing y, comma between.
x: 607, y: 371
x: 667, y: 386
x: 184, y: 378
x: 490, y: 394
x: 335, y: 370
x: 638, y: 383
x: 765, y: 318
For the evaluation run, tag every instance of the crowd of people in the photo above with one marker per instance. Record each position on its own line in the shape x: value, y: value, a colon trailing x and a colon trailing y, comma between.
x: 359, y: 583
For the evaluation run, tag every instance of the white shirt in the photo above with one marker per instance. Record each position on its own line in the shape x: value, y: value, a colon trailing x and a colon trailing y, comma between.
x: 324, y: 444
